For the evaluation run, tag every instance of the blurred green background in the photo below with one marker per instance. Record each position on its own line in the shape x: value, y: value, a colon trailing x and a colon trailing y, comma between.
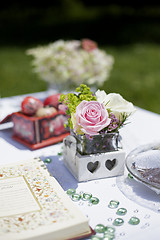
x: 130, y: 32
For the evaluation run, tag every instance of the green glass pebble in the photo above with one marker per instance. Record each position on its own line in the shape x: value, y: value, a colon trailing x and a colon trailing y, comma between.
x: 100, y: 228
x: 130, y: 176
x: 96, y: 238
x: 134, y: 221
x: 86, y: 196
x: 71, y: 191
x: 60, y: 153
x: 118, y: 222
x: 121, y: 211
x: 94, y: 200
x: 110, y: 229
x: 108, y: 236
x: 113, y: 204
x: 76, y: 197
x: 48, y: 160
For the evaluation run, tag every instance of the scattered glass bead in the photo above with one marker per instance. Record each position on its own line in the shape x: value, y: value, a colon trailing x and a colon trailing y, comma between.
x: 130, y: 176
x: 108, y: 236
x: 94, y: 200
x: 80, y: 203
x: 48, y: 160
x: 136, y: 211
x: 122, y: 234
x: 96, y: 182
x: 145, y: 225
x: 81, y: 192
x: 76, y: 197
x: 118, y: 222
x: 121, y: 211
x: 110, y: 229
x: 71, y: 191
x: 96, y: 238
x: 113, y: 204
x: 89, y: 204
x: 134, y: 221
x: 60, y: 153
x: 86, y: 196
x: 100, y: 228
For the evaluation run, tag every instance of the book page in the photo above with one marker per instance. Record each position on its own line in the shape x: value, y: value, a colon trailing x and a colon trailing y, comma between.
x: 33, y: 205
x: 16, y: 197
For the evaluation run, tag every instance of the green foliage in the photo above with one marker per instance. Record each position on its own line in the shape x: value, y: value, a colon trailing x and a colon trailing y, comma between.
x: 85, y: 93
x: 72, y: 100
x: 136, y: 74
x: 16, y: 76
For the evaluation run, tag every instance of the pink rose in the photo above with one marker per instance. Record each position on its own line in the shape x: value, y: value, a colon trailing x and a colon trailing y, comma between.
x: 91, y: 117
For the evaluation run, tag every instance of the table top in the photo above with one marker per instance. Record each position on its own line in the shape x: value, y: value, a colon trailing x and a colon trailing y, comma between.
x: 140, y: 201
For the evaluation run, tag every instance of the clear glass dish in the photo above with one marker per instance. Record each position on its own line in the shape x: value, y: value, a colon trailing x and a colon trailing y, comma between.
x: 144, y: 164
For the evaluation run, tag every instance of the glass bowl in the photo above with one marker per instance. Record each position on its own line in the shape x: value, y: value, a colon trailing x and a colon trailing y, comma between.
x: 144, y: 165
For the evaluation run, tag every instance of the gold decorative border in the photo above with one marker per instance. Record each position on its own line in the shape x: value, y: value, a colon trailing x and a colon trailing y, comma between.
x: 32, y: 193
x: 52, y: 210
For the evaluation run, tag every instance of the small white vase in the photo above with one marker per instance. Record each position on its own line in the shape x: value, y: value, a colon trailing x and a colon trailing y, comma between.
x: 92, y: 166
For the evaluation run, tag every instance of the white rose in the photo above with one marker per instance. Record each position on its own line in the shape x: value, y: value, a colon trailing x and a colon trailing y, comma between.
x: 116, y: 103
x: 101, y: 96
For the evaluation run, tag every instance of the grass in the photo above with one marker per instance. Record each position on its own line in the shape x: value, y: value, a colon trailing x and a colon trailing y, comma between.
x: 135, y: 74
x: 16, y: 76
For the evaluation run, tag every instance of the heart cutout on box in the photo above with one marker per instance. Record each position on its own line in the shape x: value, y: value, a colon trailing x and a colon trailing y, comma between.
x: 92, y: 167
x: 110, y: 164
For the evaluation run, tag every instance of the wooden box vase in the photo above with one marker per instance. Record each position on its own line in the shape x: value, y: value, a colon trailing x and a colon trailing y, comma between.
x: 89, y: 158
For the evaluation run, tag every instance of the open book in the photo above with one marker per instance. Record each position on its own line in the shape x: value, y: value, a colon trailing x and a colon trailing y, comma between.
x: 34, y: 206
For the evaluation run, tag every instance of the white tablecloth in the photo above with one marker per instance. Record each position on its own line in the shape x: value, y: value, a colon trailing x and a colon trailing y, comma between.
x: 144, y: 128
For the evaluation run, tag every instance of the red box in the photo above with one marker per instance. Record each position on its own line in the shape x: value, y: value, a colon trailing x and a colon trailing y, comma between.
x: 37, y: 132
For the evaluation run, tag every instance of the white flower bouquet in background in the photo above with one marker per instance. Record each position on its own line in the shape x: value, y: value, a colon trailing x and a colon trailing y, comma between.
x: 72, y: 62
